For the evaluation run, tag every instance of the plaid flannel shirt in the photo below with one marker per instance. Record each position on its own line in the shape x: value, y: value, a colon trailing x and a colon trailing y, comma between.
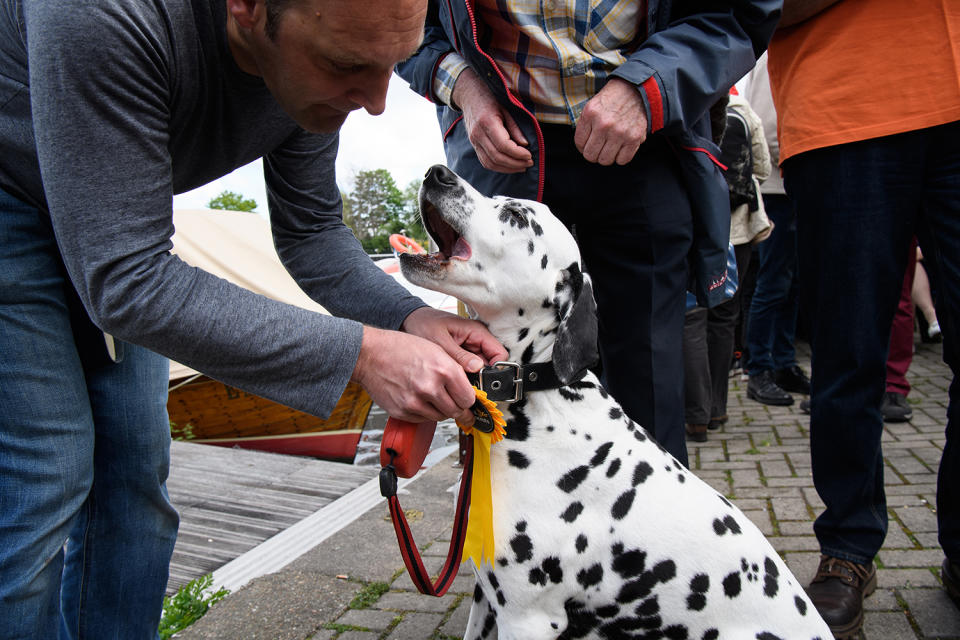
x: 556, y: 54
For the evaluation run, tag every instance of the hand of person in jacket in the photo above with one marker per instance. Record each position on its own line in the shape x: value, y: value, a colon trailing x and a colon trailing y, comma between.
x: 613, y: 124
x: 418, y: 374
x: 495, y: 136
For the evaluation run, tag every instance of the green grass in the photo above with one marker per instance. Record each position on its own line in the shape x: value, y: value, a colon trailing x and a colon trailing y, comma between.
x: 188, y: 605
x: 369, y: 594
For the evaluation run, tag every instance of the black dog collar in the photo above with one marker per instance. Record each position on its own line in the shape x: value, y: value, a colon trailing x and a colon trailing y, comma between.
x: 508, y: 381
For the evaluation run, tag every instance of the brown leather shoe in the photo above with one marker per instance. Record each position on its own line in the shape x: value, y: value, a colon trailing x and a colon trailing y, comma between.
x: 697, y: 432
x: 838, y: 590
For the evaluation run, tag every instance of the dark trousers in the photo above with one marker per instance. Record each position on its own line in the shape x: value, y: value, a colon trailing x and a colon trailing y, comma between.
x: 708, y: 337
x: 634, y: 228
x: 773, y: 309
x: 859, y: 206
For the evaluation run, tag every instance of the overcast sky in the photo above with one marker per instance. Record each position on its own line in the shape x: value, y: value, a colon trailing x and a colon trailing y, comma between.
x: 405, y: 140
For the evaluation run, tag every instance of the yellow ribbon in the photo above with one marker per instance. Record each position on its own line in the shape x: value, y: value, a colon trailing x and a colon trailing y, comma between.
x: 478, y: 545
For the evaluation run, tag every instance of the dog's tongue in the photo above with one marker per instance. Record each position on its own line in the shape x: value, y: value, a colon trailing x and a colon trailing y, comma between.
x: 461, y: 250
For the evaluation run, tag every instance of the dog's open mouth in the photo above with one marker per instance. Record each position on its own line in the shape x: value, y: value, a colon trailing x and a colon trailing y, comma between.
x: 450, y: 244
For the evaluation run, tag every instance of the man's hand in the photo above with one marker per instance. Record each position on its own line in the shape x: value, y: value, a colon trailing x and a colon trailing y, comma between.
x: 495, y: 136
x: 468, y: 342
x: 613, y: 124
x: 418, y: 374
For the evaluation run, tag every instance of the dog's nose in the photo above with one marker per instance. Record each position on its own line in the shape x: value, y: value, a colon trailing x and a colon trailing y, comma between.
x: 440, y: 175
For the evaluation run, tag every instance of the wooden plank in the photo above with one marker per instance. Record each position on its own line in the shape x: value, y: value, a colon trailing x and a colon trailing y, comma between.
x: 231, y: 500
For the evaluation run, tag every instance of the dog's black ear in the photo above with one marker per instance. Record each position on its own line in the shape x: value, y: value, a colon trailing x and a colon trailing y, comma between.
x: 575, y: 349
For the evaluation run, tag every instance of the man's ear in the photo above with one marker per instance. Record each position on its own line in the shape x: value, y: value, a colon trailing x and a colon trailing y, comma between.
x: 246, y: 14
x: 575, y: 349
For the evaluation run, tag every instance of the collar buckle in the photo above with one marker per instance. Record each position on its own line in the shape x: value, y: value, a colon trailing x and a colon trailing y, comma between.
x: 496, y: 385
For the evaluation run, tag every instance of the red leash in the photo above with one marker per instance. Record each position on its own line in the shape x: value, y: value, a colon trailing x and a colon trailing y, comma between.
x: 408, y: 548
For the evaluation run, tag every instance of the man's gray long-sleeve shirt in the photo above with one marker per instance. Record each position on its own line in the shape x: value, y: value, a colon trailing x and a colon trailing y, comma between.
x: 108, y: 108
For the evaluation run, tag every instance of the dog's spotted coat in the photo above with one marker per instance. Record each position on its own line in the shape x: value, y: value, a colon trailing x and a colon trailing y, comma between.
x: 599, y: 532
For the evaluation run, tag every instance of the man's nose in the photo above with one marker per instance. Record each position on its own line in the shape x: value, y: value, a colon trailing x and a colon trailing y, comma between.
x: 372, y: 94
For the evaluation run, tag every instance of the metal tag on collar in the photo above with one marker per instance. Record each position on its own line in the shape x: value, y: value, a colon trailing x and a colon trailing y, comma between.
x: 495, y: 384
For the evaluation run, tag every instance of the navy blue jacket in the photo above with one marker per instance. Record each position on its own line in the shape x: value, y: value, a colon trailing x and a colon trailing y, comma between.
x: 692, y: 53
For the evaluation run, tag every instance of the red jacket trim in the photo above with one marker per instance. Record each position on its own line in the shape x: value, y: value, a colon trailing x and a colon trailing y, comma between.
x: 712, y: 157
x: 655, y: 99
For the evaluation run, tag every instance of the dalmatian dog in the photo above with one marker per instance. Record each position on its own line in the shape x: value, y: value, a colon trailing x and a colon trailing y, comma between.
x: 599, y: 533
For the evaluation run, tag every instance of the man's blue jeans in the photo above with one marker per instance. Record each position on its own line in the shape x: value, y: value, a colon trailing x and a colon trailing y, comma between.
x: 858, y: 207
x: 776, y: 298
x: 84, y: 455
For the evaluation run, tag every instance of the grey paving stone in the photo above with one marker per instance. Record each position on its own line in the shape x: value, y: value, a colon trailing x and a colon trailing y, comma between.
x: 456, y: 624
x: 813, y: 498
x: 769, y: 492
x: 359, y: 635
x: 897, y: 429
x: 908, y: 440
x: 934, y: 612
x: 907, y: 465
x: 906, y: 578
x: 745, y: 478
x: 911, y: 558
x: 720, y: 485
x: 803, y: 565
x: 916, y: 478
x: 751, y: 504
x: 887, y: 626
x: 776, y: 468
x: 790, y: 509
x: 732, y: 465
x: 416, y: 626
x: 928, y: 539
x: 762, y: 520
x: 882, y: 600
x: 703, y: 474
x: 415, y: 602
x: 788, y: 482
x: 323, y: 635
x: 375, y: 619
x: 914, y: 489
x: 930, y: 455
x: 795, y: 543
x: 919, y: 518
x: 795, y: 527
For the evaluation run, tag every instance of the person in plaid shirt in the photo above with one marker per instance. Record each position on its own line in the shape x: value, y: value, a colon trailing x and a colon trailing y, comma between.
x: 599, y: 109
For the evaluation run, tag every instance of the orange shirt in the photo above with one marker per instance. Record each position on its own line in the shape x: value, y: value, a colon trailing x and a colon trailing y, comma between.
x: 863, y: 69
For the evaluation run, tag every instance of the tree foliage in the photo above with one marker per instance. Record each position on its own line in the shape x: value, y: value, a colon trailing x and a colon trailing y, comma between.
x: 376, y: 208
x: 232, y: 201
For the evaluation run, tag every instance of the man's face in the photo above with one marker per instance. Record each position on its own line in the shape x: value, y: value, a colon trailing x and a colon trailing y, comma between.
x: 330, y: 57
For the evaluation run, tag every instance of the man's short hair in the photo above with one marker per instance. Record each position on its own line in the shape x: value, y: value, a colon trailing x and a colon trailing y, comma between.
x: 274, y: 9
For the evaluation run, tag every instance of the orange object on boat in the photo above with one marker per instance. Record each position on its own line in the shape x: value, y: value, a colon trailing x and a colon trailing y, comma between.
x: 403, y: 244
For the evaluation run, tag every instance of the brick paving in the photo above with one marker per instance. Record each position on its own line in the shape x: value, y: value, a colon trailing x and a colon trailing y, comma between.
x: 760, y: 460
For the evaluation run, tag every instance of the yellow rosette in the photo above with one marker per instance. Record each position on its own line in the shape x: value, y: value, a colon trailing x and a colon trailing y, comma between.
x: 478, y: 545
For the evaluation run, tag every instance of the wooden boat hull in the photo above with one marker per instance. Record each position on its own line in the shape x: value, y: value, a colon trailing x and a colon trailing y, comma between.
x: 206, y: 411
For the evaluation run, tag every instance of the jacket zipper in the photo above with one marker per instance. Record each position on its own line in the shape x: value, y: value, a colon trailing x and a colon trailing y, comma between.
x: 513, y: 99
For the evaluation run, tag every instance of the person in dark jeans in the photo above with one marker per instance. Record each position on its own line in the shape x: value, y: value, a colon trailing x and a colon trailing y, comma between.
x: 772, y: 364
x: 868, y: 162
x: 771, y: 358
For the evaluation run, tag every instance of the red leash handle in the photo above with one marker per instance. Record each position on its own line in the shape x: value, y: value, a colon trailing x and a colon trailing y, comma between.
x: 408, y: 548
